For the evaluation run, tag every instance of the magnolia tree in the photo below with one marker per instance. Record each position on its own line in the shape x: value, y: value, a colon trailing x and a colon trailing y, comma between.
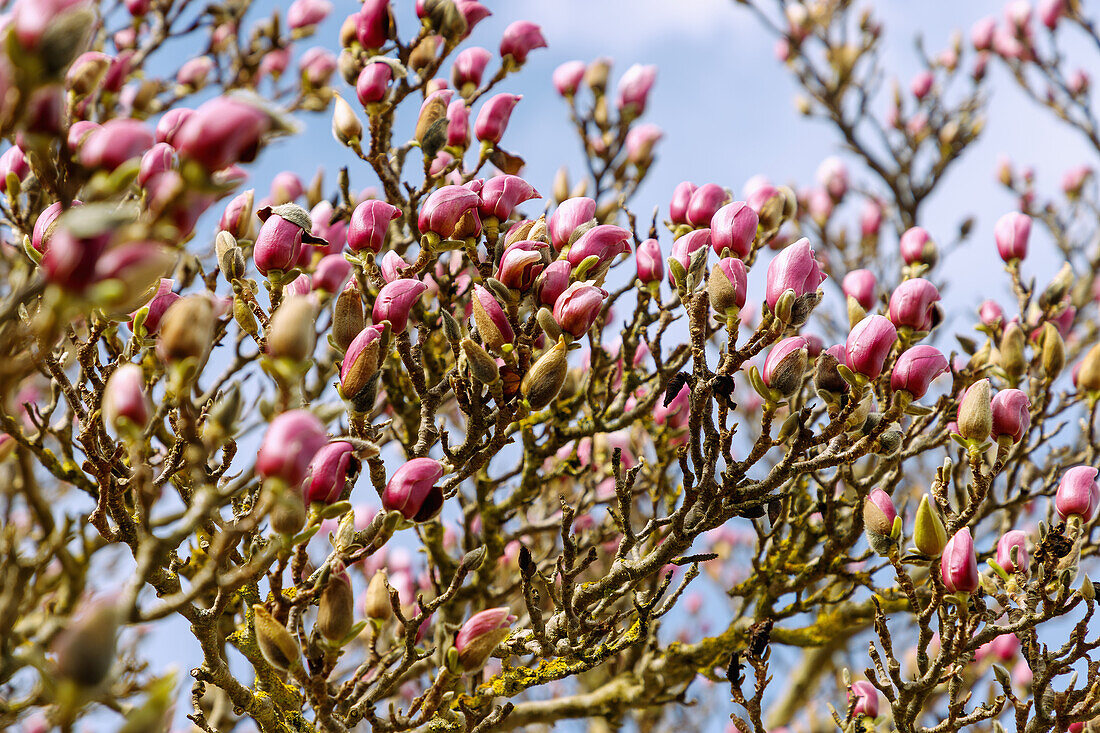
x: 416, y: 457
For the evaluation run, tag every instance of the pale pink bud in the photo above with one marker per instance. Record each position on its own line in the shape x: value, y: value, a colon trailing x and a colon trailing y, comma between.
x: 685, y: 246
x: 733, y: 227
x: 391, y: 266
x: 221, y: 132
x: 1078, y: 493
x: 170, y: 124
x: 328, y: 472
x: 373, y: 23
x: 238, y: 214
x: 916, y: 368
x: 78, y: 133
x: 1008, y: 46
x: 1013, y: 538
x: 125, y: 399
x: 921, y: 84
x: 793, y: 269
x: 278, y: 245
x: 651, y: 263
x: 301, y: 286
x: 1074, y: 180
x: 991, y: 313
x: 868, y: 345
x: 568, y: 77
x: 704, y: 204
x: 443, y: 211
x: 861, y: 285
x: 519, y: 39
x: 916, y: 246
x: 473, y: 11
x: 158, y: 159
x: 288, y: 446
x: 819, y: 204
x: 576, y: 309
x: 274, y: 63
x: 870, y: 219
x: 728, y: 285
x: 304, y: 13
x: 570, y: 214
x: 639, y: 143
x: 785, y: 365
x: 194, y: 72
x: 1011, y: 233
x: 832, y: 175
x: 1078, y: 82
x: 492, y: 120
x: 1011, y: 414
x: 681, y: 198
x: 634, y: 88
x: 114, y: 143
x: 958, y: 563
x: 866, y: 698
x: 1018, y: 14
x: 369, y: 223
x: 981, y: 33
x: 317, y: 65
x: 395, y: 301
x: 912, y: 304
x: 469, y: 67
x: 521, y: 263
x: 605, y: 242
x: 373, y: 83
x: 501, y: 194
x: 481, y: 635
x: 412, y: 490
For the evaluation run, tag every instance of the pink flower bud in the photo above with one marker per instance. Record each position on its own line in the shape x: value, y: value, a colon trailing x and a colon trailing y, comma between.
x: 394, y: 302
x: 469, y: 67
x: 304, y: 13
x: 31, y: 18
x: 521, y: 263
x: 570, y: 214
x: 491, y: 320
x: 1011, y: 234
x: 360, y: 365
x: 552, y: 282
x: 832, y: 175
x: 158, y: 159
x: 373, y: 83
x: 912, y: 304
x: 125, y: 399
x: 193, y: 72
x: 288, y: 446
x: 492, y: 120
x: 1011, y: 414
x: 639, y: 143
x: 221, y: 132
x: 568, y: 77
x: 921, y: 84
x: 786, y: 365
x: 733, y: 227
x: 958, y: 564
x: 170, y: 124
x: 704, y: 204
x: 443, y: 211
x: 278, y: 245
x: 868, y: 345
x: 651, y: 263
x: 916, y: 368
x: 685, y: 246
x: 1013, y: 538
x: 328, y: 472
x: 793, y: 269
x: 158, y: 305
x: 991, y: 313
x: 1050, y: 11
x: 317, y: 65
x: 1078, y: 493
x: 605, y: 242
x: 727, y: 284
x: 681, y: 198
x: 1074, y: 180
x: 369, y: 223
x: 391, y: 266
x: 576, y: 309
x: 1018, y: 15
x: 412, y: 490
x: 917, y: 247
x: 861, y: 285
x: 519, y: 39
x: 634, y: 88
x: 883, y: 519
x: 114, y: 143
x: 981, y: 33
x: 138, y: 8
x: 481, y: 635
x: 12, y: 161
x: 137, y: 266
x: 373, y: 23
x: 501, y: 194
x: 70, y: 262
x: 45, y: 224
x: 236, y: 218
x: 331, y: 273
x: 78, y: 133
x: 866, y: 698
x: 274, y: 63
x: 473, y: 11
x: 870, y: 219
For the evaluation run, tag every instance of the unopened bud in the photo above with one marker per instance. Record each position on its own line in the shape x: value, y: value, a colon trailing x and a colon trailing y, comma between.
x: 431, y: 125
x: 336, y: 608
x: 86, y: 650
x: 276, y: 643
x: 348, y: 320
x: 230, y: 256
x: 1088, y: 376
x: 975, y: 416
x: 544, y: 380
x: 346, y: 127
x: 378, y: 597
x: 1053, y: 351
x: 482, y: 366
x: 1013, y: 361
x: 929, y: 534
x: 187, y: 329
x: 288, y: 509
x: 292, y: 333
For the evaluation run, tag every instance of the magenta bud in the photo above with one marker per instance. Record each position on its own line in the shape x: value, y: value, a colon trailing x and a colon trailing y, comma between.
x: 1013, y: 538
x: 237, y: 217
x: 391, y: 266
x: 991, y: 313
x: 114, y: 143
x: 916, y: 368
x: 70, y: 261
x: 568, y: 77
x: 479, y: 637
x: 469, y: 67
x: 605, y: 242
x: 278, y: 245
x: 493, y: 118
x: 193, y: 72
x: 78, y: 133
x: 443, y: 211
x: 634, y: 88
x: 868, y: 345
x: 159, y: 304
x: 501, y: 194
x: 651, y: 263
x: 458, y: 125
x: 879, y: 520
x: 704, y: 204
x: 785, y: 365
x: 30, y: 19
x: 727, y: 285
x: 678, y: 205
x: 290, y: 443
x: 640, y: 141
x: 304, y: 13
x: 861, y: 285
x: 733, y: 227
x: 373, y: 83
x: 331, y: 273
x: 519, y: 39
x: 13, y: 162
x: 794, y: 268
x: 373, y: 23
x: 125, y: 400
x: 1078, y: 493
x: 412, y: 490
x: 1011, y: 233
x: 916, y: 247
x: 1011, y: 414
x: 959, y: 564
x: 866, y: 698
x: 221, y: 132
x: 553, y: 281
x: 170, y: 124
x: 395, y: 301
x: 369, y: 223
x: 45, y: 224
x: 158, y: 159
x: 361, y: 363
x: 327, y: 474
x: 570, y: 214
x: 521, y: 263
x: 685, y: 246
x: 912, y: 304
x: 576, y: 309
x: 491, y: 320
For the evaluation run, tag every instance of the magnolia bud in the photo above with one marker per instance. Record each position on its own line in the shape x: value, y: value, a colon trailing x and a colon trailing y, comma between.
x: 413, y: 491
x: 291, y: 333
x: 482, y: 366
x: 975, y: 415
x: 348, y: 319
x: 1088, y: 376
x: 336, y: 608
x: 1013, y: 544
x: 929, y: 534
x: 1013, y: 361
x: 187, y: 329
x: 481, y: 635
x: 544, y: 380
x: 491, y: 320
x: 346, y: 127
x: 786, y: 365
x: 879, y: 517
x: 378, y: 597
x: 125, y: 402
x: 959, y: 565
x: 277, y: 645
x: 86, y: 649
x: 1052, y: 353
x: 230, y: 256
